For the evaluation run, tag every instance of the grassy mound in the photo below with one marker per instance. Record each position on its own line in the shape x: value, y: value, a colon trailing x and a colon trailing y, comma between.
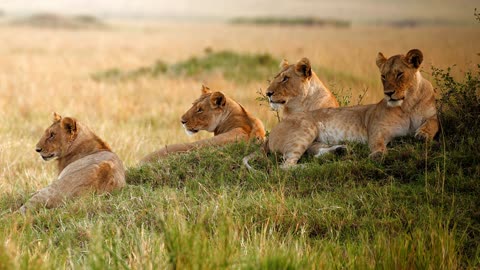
x: 233, y: 66
x: 238, y: 67
x: 416, y: 209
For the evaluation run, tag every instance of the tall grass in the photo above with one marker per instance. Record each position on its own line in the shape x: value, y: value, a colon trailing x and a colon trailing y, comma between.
x: 203, y: 210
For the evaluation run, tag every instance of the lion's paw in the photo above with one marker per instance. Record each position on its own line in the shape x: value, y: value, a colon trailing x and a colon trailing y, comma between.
x: 422, y: 135
x: 377, y: 156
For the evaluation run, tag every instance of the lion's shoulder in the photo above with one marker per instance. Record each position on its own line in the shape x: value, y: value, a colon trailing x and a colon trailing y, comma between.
x: 242, y: 122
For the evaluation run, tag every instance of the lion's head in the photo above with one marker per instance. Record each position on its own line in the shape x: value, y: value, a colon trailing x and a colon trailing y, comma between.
x: 290, y: 83
x: 57, y: 138
x: 398, y: 74
x: 205, y: 112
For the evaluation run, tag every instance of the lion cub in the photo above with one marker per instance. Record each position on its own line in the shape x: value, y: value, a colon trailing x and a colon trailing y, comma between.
x: 85, y: 163
x: 408, y: 107
x: 214, y: 112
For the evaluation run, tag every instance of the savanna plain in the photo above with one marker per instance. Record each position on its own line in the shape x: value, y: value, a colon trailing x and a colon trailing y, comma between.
x: 130, y: 83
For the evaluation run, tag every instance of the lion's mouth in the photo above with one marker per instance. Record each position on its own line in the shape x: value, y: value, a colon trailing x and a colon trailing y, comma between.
x: 46, y: 158
x: 276, y: 105
x: 190, y: 132
x: 395, y: 102
x: 278, y: 102
x: 396, y: 99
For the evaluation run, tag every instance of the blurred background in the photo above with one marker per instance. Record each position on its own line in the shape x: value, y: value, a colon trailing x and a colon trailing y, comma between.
x: 130, y: 69
x: 363, y: 11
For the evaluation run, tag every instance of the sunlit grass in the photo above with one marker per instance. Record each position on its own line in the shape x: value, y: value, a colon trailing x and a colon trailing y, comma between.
x: 204, y: 210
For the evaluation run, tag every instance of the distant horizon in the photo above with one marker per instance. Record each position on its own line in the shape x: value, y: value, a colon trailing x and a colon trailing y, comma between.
x: 355, y: 11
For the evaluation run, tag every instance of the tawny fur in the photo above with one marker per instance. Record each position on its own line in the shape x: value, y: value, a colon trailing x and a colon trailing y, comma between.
x: 297, y: 88
x: 217, y: 113
x: 407, y: 108
x: 85, y: 163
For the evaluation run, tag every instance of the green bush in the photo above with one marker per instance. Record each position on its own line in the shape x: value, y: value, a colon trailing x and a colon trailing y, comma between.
x: 459, y: 105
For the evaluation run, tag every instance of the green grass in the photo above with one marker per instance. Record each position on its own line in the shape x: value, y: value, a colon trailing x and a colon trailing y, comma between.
x: 418, y: 209
x: 337, y: 212
x: 238, y: 67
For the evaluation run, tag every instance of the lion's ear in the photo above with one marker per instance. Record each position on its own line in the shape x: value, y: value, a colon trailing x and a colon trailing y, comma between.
x: 217, y: 99
x: 284, y: 63
x: 205, y: 89
x: 381, y: 59
x: 69, y: 124
x: 414, y: 57
x: 56, y: 117
x: 303, y: 68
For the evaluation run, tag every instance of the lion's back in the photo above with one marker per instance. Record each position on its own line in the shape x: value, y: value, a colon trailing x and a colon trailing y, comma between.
x: 102, y: 171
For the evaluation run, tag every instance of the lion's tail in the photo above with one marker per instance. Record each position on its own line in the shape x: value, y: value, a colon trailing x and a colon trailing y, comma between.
x: 247, y: 158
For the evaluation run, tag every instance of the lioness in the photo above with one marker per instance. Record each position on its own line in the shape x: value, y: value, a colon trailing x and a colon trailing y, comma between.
x: 217, y: 113
x: 408, y: 107
x: 297, y: 88
x: 85, y: 163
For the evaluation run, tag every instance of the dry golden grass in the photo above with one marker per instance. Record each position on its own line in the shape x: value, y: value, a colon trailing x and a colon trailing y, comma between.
x: 49, y: 70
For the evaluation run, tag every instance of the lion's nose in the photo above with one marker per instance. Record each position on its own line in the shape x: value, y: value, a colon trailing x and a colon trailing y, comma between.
x: 183, y: 122
x: 38, y: 149
x: 269, y: 94
x: 389, y: 93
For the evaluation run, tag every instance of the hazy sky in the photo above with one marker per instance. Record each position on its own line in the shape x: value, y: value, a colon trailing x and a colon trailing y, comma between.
x: 360, y: 10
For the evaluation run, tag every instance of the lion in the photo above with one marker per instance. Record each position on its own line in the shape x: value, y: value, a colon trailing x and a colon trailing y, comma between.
x: 297, y: 88
x: 217, y: 113
x: 408, y: 107
x: 85, y: 163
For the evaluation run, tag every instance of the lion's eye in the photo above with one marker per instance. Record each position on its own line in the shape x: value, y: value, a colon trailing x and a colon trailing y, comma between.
x: 52, y: 135
x: 399, y: 75
x: 383, y: 77
x: 199, y: 110
x: 285, y: 79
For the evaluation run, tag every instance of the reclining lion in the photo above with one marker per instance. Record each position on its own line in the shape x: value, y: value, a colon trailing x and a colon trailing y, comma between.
x: 217, y: 113
x: 408, y: 107
x: 85, y: 163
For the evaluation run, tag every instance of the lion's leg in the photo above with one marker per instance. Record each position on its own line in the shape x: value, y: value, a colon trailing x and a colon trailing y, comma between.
x: 290, y: 159
x: 165, y: 151
x: 297, y: 144
x: 46, y: 197
x: 66, y: 187
x: 105, y: 180
x: 318, y: 149
x: 428, y: 129
x: 377, y: 145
